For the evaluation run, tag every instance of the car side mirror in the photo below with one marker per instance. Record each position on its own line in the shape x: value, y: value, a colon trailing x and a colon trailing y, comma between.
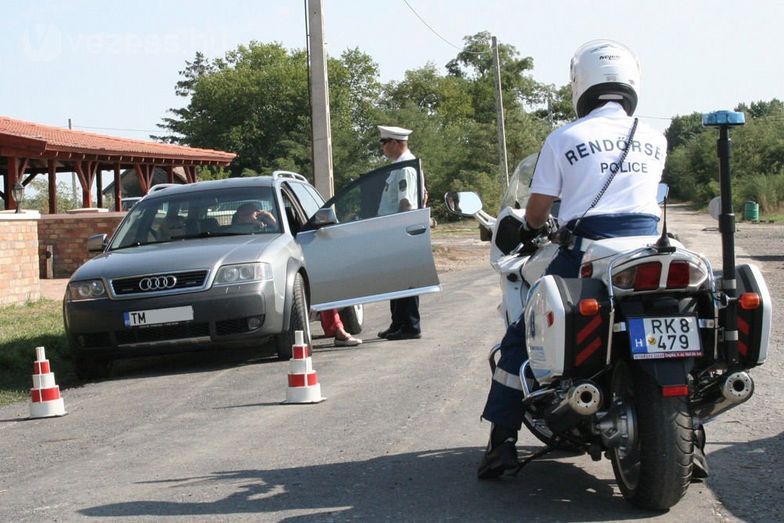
x: 324, y: 216
x: 96, y: 243
x: 464, y: 203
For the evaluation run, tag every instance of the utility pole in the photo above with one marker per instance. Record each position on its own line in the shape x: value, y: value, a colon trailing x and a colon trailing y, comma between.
x: 319, y: 101
x: 73, y: 175
x: 499, y: 105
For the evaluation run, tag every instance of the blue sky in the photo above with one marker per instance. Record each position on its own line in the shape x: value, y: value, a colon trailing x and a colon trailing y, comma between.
x: 111, y: 66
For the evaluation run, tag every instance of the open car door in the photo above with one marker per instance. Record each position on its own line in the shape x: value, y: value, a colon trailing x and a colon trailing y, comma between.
x: 357, y: 253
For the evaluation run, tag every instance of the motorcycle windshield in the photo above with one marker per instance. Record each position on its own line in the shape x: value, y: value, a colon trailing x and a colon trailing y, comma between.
x: 516, y: 195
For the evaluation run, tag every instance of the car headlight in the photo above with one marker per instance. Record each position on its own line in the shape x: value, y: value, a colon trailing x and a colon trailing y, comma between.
x: 86, y: 290
x: 243, y: 273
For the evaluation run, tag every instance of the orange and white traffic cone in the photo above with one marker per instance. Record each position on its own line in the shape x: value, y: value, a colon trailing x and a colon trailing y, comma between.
x: 45, y: 394
x: 303, y: 381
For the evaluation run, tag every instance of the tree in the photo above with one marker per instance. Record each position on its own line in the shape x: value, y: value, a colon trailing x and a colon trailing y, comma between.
x: 37, y: 196
x: 254, y: 102
x: 757, y: 161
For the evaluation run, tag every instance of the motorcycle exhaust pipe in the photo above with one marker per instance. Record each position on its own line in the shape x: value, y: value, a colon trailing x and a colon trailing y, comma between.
x: 584, y: 398
x: 736, y: 388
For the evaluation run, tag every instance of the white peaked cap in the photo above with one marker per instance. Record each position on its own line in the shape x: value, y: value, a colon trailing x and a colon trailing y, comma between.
x: 394, y: 133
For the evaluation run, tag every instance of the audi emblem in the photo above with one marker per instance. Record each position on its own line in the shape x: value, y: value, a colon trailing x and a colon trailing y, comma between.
x: 157, y: 283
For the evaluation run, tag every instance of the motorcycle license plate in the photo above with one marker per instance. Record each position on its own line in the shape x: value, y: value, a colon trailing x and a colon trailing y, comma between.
x: 668, y: 337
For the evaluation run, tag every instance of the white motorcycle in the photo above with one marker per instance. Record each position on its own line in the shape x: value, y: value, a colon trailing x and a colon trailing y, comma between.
x: 631, y: 358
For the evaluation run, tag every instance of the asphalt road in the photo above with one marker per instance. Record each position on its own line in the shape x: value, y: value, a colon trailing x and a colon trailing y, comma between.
x: 205, y: 437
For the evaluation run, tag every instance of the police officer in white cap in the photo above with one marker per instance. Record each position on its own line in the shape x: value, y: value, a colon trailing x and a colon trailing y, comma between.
x: 605, y: 167
x: 399, y: 194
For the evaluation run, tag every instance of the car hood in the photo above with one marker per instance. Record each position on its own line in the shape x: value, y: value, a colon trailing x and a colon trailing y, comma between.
x: 182, y: 255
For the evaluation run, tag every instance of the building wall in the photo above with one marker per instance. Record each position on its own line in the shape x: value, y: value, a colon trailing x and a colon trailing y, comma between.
x: 19, y: 258
x: 67, y: 235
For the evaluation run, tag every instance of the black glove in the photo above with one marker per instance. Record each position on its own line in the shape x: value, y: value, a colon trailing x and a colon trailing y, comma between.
x: 528, y: 233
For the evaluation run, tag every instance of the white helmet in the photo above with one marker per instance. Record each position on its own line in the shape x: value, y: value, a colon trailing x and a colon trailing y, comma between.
x: 604, y: 70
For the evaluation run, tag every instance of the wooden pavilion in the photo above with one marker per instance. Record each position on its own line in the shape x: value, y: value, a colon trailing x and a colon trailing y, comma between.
x: 29, y: 149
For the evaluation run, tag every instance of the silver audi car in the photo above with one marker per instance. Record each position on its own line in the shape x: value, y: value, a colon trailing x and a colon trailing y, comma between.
x: 239, y: 262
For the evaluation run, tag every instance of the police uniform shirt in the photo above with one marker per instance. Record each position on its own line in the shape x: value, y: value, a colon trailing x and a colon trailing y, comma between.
x: 577, y: 159
x: 400, y: 184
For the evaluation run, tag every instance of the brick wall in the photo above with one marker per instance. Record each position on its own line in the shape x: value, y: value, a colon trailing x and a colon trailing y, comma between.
x: 67, y: 234
x: 19, y: 258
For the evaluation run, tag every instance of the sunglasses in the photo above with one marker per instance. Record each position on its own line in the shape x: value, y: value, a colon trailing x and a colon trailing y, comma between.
x: 385, y: 141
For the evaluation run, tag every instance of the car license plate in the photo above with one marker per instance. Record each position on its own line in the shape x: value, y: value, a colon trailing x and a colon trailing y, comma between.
x: 669, y: 337
x: 158, y: 316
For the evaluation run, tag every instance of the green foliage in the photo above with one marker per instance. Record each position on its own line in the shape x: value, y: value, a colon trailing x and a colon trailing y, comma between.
x: 36, y: 196
x: 757, y: 162
x: 254, y: 101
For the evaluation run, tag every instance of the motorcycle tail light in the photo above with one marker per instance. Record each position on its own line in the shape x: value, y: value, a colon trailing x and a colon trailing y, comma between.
x: 749, y: 301
x: 586, y: 270
x: 589, y: 307
x: 678, y: 275
x: 648, y: 276
x: 682, y: 274
x: 642, y: 277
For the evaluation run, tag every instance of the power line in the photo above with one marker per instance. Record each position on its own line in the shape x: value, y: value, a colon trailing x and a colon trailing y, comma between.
x: 437, y: 33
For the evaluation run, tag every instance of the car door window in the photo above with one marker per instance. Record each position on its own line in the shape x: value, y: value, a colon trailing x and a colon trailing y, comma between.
x: 394, y: 188
x: 294, y: 213
x: 311, y: 201
x: 369, y: 255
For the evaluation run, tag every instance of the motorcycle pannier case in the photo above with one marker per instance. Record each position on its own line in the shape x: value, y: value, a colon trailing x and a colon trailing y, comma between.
x: 561, y: 341
x: 753, y: 325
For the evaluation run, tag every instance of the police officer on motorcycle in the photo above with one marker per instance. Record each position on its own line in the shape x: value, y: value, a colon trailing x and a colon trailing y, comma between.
x: 605, y: 168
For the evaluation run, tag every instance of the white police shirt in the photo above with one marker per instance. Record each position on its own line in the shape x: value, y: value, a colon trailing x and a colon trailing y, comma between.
x: 400, y: 184
x: 577, y: 159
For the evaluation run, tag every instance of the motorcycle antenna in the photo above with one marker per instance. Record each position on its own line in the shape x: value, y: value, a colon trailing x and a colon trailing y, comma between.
x: 663, y: 244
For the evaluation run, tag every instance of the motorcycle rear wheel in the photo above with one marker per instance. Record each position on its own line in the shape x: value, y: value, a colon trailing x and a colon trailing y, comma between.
x: 653, y: 466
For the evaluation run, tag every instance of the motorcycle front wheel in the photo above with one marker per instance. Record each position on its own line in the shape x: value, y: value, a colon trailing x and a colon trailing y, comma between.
x: 653, y: 462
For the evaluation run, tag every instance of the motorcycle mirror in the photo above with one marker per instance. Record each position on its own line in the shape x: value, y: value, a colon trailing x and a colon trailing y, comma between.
x: 714, y: 207
x: 662, y: 192
x: 463, y: 203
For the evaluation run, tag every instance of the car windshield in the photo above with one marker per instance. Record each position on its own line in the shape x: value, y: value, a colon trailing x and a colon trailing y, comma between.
x: 214, y: 212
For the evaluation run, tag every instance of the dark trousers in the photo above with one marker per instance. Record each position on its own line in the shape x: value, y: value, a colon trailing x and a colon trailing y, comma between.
x: 405, y: 314
x: 506, y: 391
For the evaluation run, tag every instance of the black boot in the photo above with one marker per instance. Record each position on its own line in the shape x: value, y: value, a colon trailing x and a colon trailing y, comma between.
x: 699, y: 469
x: 501, y: 453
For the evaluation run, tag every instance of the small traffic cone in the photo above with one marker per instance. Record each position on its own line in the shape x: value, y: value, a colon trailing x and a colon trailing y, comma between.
x: 303, y: 381
x: 45, y: 394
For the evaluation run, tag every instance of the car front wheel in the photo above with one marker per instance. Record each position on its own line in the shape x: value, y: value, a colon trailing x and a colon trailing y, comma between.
x: 298, y: 320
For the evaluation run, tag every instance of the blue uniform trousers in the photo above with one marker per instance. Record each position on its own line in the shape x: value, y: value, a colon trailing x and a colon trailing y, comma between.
x: 405, y: 314
x: 506, y: 392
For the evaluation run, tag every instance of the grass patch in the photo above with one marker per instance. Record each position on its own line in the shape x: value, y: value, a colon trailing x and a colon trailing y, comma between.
x: 463, y: 228
x: 22, y: 329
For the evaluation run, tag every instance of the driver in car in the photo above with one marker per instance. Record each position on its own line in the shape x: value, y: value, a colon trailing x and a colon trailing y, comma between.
x: 250, y: 213
x: 605, y: 191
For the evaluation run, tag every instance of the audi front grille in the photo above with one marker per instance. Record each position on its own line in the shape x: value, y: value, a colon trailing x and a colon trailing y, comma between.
x: 157, y: 283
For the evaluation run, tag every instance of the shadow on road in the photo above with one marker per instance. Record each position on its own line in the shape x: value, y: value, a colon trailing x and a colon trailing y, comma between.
x: 397, y: 487
x: 750, y: 463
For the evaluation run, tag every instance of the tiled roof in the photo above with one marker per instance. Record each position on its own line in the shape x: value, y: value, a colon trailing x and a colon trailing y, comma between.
x: 44, y: 138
